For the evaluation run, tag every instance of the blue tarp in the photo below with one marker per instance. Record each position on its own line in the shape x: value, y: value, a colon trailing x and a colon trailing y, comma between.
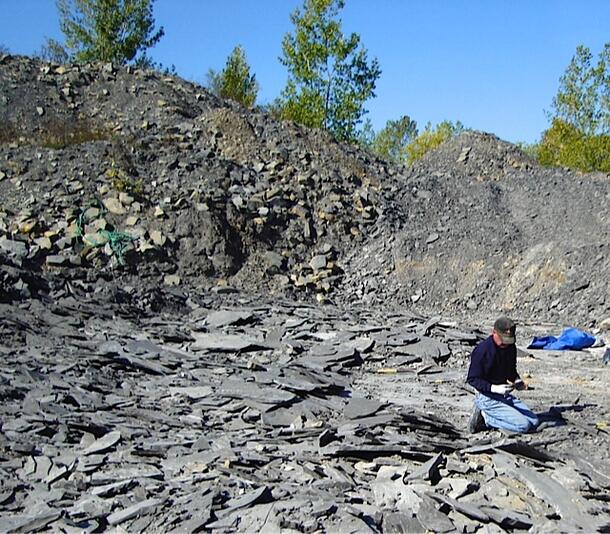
x: 570, y: 339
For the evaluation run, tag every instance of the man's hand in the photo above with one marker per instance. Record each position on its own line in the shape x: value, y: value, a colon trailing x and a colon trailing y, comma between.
x: 520, y: 385
x: 501, y: 389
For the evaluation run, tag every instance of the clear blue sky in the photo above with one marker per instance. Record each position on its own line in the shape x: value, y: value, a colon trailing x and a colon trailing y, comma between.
x: 492, y: 64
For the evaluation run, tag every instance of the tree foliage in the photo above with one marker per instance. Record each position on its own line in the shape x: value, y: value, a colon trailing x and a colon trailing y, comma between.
x: 3, y: 49
x: 118, y: 31
x: 329, y: 75
x: 579, y: 135
x: 430, y: 138
x: 366, y: 134
x: 565, y: 145
x: 391, y: 141
x: 584, y: 91
x: 235, y: 81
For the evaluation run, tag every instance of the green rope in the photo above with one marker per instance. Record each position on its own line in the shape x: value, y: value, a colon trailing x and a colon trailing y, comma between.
x: 118, y: 241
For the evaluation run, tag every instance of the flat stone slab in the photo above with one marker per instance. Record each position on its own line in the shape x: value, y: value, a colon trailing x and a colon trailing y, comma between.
x: 227, y: 342
x: 359, y: 407
x: 218, y: 319
x: 103, y: 444
x: 116, y: 518
x: 192, y: 392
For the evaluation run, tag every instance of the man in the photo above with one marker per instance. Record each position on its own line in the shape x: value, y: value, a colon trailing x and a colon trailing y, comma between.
x: 493, y: 373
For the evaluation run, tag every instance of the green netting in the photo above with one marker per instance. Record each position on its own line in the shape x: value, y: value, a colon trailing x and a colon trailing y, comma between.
x: 118, y: 241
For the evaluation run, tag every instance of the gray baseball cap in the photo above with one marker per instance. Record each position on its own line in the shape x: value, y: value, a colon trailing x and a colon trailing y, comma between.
x: 506, y: 329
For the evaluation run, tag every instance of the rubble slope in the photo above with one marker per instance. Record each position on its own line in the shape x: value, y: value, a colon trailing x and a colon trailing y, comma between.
x: 488, y: 230
x: 124, y: 175
x: 207, y: 190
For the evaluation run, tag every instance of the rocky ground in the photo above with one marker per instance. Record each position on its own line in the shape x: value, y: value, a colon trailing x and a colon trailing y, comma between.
x: 239, y: 414
x: 214, y: 321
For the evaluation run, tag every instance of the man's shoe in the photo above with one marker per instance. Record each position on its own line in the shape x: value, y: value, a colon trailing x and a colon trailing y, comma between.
x: 476, y: 422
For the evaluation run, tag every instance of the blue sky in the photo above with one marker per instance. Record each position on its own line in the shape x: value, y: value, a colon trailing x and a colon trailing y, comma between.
x: 492, y: 64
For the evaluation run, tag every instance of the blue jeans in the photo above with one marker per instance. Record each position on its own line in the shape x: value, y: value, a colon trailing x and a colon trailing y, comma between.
x: 506, y: 411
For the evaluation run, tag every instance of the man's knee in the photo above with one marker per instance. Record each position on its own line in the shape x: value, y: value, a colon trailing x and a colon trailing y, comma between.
x: 526, y: 424
x: 534, y: 422
x: 515, y: 423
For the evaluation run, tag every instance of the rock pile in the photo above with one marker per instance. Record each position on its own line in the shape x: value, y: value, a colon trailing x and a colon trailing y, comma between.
x: 487, y: 230
x: 136, y: 173
x: 103, y: 166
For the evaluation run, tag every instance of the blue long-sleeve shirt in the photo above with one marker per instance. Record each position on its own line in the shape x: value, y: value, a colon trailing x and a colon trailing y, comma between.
x: 490, y: 364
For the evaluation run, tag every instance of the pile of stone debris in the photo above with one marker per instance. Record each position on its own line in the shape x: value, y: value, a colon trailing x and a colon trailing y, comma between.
x: 488, y: 230
x: 136, y: 173
x: 193, y: 189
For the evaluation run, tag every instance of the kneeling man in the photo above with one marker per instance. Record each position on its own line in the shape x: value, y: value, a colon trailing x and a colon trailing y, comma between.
x: 493, y: 373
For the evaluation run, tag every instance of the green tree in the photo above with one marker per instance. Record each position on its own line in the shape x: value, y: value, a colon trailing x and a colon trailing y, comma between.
x: 329, y: 75
x: 584, y: 90
x: 565, y: 145
x: 366, y: 134
x: 119, y: 31
x: 391, y: 141
x: 3, y: 49
x: 579, y: 135
x: 235, y: 81
x: 430, y: 138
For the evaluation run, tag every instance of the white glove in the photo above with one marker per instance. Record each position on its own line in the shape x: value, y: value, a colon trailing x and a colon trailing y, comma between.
x: 501, y: 389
